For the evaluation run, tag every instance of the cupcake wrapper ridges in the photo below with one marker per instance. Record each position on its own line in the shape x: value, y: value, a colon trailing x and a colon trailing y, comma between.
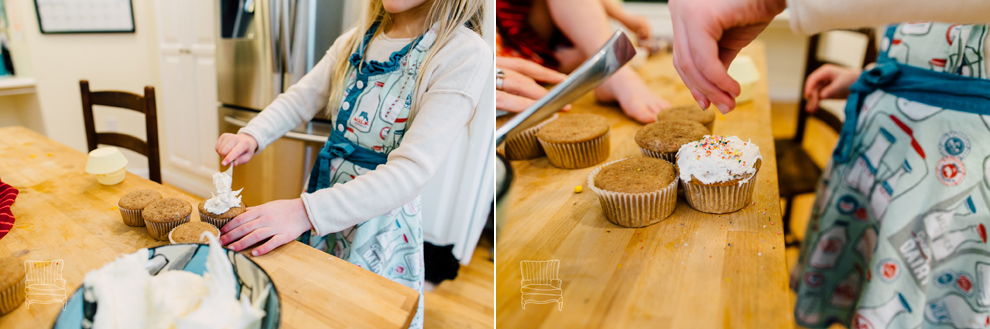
x: 635, y: 209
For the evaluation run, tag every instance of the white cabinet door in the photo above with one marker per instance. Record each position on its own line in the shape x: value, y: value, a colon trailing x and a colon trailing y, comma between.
x: 188, y: 92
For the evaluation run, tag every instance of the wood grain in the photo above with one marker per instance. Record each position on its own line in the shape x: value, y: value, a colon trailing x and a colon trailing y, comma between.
x: 692, y: 270
x: 63, y: 213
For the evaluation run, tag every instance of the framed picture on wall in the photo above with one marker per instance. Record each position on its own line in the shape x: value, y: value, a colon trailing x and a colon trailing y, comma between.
x: 85, y: 16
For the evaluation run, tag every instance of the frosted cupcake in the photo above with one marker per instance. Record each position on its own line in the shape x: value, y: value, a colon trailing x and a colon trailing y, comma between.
x: 132, y: 203
x: 662, y: 139
x: 225, y: 203
x: 11, y: 284
x: 718, y: 173
x: 164, y: 215
x: 690, y: 113
x: 576, y: 140
x: 635, y: 192
x: 525, y: 145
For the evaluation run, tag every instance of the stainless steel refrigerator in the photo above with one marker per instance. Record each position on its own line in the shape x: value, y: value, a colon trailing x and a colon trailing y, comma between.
x: 265, y: 46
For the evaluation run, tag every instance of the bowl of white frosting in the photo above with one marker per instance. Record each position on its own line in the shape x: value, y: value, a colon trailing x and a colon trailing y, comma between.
x: 175, y: 286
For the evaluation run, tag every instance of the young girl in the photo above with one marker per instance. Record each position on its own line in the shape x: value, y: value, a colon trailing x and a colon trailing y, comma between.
x: 401, y: 85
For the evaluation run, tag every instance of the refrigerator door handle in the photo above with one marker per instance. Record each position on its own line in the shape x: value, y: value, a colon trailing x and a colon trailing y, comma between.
x: 291, y: 134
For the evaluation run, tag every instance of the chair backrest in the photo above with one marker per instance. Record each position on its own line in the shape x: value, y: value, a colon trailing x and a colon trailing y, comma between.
x: 814, y: 61
x: 143, y: 104
x: 539, y: 272
x: 43, y: 271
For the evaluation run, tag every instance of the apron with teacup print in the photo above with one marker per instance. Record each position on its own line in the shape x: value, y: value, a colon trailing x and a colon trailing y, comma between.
x: 370, y: 123
x: 897, y: 236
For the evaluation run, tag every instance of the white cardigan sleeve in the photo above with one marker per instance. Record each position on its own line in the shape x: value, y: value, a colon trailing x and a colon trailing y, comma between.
x: 814, y: 16
x: 455, y: 82
x: 299, y: 103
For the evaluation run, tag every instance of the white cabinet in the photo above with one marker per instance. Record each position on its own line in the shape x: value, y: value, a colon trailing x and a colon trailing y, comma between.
x: 188, y: 93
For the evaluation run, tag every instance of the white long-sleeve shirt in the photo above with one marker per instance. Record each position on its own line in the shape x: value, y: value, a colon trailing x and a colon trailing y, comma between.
x: 814, y: 16
x: 452, y: 84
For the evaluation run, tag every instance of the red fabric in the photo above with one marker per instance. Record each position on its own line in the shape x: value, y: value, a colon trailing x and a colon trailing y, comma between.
x: 516, y: 38
x: 7, y: 195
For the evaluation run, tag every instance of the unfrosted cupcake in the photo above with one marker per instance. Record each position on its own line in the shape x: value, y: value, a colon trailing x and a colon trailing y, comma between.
x: 576, y: 140
x: 132, y: 203
x: 690, y: 113
x: 718, y: 173
x: 192, y: 232
x: 635, y: 192
x: 11, y: 284
x: 662, y: 139
x: 221, y: 219
x: 164, y: 215
x: 525, y: 145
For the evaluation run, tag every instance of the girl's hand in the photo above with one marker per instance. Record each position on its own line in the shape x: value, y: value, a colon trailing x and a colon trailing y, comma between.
x: 280, y: 220
x: 237, y: 148
x: 519, y: 87
x: 708, y: 34
x: 828, y: 82
x: 637, y: 24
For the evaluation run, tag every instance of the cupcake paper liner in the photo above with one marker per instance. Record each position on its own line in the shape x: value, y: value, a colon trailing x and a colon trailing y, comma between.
x: 525, y: 145
x: 160, y: 231
x: 719, y: 199
x: 131, y: 217
x: 12, y: 297
x: 578, y: 155
x: 669, y: 157
x: 213, y: 220
x: 635, y: 209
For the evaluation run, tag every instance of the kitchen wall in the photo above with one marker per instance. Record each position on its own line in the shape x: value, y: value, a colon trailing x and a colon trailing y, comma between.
x: 122, y: 61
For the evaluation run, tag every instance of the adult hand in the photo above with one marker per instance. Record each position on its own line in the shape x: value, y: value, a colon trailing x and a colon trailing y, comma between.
x: 519, y: 87
x: 280, y: 220
x: 237, y: 148
x: 828, y: 82
x: 708, y: 34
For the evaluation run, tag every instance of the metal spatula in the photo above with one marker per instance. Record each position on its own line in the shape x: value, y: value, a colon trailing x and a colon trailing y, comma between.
x: 592, y: 73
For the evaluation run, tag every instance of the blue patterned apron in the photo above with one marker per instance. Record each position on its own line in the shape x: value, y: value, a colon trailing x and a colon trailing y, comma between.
x: 369, y: 124
x: 897, y: 236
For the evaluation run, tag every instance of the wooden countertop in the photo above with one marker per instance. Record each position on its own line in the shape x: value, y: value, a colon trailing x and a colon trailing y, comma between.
x: 63, y: 213
x: 692, y: 270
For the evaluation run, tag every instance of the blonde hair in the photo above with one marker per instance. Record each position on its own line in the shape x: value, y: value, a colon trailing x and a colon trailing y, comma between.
x: 445, y: 15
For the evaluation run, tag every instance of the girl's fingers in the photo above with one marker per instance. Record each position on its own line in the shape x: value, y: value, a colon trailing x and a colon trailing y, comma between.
x: 252, y: 238
x: 249, y: 214
x: 223, y: 142
x: 518, y: 84
x: 512, y: 103
x: 530, y: 69
x: 246, y: 228
x: 276, y: 241
x: 708, y: 72
x: 235, y: 152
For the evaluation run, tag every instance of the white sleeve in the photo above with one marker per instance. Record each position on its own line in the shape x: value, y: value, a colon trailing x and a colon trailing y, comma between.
x: 814, y: 16
x: 456, y: 83
x: 299, y: 103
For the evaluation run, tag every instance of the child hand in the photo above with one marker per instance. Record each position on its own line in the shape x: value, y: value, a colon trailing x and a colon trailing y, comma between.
x: 237, y: 148
x: 281, y: 220
x: 519, y: 87
x: 639, y: 25
x: 828, y: 82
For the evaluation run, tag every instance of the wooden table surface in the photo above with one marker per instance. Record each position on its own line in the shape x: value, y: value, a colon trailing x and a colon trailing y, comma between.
x: 692, y: 270
x: 63, y: 213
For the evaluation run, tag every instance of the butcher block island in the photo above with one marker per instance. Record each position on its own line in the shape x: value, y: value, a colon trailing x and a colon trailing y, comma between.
x: 692, y: 270
x: 63, y: 213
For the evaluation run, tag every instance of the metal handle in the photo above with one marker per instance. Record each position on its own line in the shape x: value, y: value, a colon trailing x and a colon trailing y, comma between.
x: 291, y: 134
x: 274, y: 26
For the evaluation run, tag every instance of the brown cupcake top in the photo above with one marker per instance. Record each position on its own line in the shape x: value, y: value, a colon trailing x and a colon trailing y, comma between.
x: 668, y: 136
x: 166, y: 210
x: 190, y: 232
x: 139, y: 199
x: 635, y: 175
x: 574, y: 128
x: 11, y: 272
x: 230, y: 213
x: 689, y: 112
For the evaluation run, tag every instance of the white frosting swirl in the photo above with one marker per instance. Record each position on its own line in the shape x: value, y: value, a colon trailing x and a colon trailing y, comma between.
x: 225, y: 198
x: 717, y: 159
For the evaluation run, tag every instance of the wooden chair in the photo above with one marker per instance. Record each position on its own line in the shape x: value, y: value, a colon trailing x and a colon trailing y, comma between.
x: 144, y: 104
x: 796, y: 171
x: 540, y: 284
